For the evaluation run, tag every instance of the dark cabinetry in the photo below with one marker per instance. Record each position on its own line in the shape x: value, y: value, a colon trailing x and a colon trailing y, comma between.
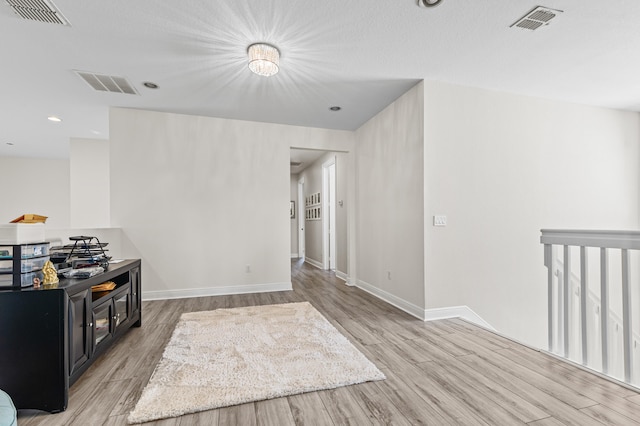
x: 50, y: 336
x: 79, y: 332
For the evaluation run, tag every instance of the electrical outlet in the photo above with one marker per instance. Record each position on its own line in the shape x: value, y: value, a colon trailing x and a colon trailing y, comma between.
x: 388, y: 275
x: 439, y: 220
x: 248, y: 269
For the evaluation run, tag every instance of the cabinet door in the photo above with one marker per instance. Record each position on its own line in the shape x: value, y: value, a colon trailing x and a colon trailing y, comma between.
x: 136, y: 295
x: 122, y: 308
x: 102, y: 328
x: 79, y: 331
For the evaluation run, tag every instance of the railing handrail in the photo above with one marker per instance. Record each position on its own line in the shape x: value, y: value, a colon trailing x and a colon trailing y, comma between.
x: 592, y: 238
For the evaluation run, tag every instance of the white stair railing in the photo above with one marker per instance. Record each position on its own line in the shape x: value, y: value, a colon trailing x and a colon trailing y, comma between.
x: 560, y: 249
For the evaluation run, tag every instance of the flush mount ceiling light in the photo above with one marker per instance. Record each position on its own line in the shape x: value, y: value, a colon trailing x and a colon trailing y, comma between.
x: 429, y: 3
x: 264, y: 59
x: 54, y: 119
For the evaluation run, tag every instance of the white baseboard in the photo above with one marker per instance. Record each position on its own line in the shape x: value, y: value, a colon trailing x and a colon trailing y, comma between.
x: 463, y: 312
x: 399, y: 303
x: 215, y: 291
x: 343, y: 276
x: 294, y: 255
x: 313, y: 262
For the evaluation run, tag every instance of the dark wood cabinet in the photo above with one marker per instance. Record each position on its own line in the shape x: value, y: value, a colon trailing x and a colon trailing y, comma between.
x: 50, y: 336
x: 79, y: 332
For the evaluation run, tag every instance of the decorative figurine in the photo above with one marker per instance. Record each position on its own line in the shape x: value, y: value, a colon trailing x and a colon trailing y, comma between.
x: 50, y: 274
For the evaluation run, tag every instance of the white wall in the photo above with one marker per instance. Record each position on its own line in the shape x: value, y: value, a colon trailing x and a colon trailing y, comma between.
x: 501, y: 167
x: 390, y: 215
x: 89, y: 178
x: 35, y: 185
x: 199, y: 199
x: 46, y: 186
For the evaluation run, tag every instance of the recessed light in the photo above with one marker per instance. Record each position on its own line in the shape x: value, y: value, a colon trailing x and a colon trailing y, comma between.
x: 429, y: 3
x: 54, y: 119
x: 335, y: 108
x: 150, y: 85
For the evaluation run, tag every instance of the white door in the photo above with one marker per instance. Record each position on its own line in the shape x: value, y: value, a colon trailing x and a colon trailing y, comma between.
x: 329, y: 215
x: 332, y: 218
x: 301, y: 207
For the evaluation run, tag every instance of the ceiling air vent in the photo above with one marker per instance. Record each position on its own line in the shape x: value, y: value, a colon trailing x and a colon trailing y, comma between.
x: 295, y: 163
x: 107, y: 83
x: 537, y: 18
x: 38, y: 10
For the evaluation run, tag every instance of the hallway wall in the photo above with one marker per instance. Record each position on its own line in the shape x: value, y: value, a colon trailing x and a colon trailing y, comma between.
x: 501, y: 167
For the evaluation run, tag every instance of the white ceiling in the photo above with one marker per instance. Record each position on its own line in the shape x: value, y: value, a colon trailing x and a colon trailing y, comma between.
x: 305, y: 157
x: 360, y: 55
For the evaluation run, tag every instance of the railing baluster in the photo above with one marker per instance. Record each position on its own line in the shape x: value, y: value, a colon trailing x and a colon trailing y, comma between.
x: 584, y: 288
x: 604, y: 308
x: 560, y: 287
x: 626, y: 317
x: 548, y: 262
x: 565, y: 301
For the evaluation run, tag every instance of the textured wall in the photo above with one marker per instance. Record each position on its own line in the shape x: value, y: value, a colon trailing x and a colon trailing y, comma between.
x: 201, y: 198
x: 501, y: 167
x: 390, y: 186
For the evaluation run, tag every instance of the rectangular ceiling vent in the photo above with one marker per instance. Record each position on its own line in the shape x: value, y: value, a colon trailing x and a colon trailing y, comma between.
x: 107, y: 83
x: 295, y: 163
x: 38, y: 10
x: 537, y: 18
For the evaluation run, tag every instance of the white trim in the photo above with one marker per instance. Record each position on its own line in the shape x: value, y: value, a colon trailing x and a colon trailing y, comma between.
x: 215, y: 291
x: 344, y: 277
x: 313, y: 262
x: 341, y: 275
x: 294, y: 255
x: 399, y: 303
x: 463, y: 312
x: 327, y: 192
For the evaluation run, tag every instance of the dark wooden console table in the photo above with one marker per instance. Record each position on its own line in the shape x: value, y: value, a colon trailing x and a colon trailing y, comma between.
x: 50, y: 336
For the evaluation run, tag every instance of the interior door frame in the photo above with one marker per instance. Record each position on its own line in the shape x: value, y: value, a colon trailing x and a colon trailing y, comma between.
x: 329, y: 245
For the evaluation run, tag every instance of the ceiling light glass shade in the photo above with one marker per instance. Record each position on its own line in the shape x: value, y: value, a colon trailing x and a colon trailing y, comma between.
x: 264, y: 59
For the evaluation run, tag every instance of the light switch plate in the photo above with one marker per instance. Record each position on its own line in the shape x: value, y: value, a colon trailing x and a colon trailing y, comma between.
x: 439, y: 220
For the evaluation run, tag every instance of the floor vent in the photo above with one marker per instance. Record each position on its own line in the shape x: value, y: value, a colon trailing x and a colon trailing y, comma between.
x: 38, y: 10
x: 107, y: 83
x: 538, y: 17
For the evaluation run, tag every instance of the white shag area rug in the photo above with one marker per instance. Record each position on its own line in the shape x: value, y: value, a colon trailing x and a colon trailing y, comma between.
x: 231, y: 356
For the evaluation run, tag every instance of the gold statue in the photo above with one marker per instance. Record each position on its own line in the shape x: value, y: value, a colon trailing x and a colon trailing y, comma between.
x: 50, y: 274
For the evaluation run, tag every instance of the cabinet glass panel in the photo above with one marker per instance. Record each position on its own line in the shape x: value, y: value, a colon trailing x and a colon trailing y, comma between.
x: 101, y: 322
x: 121, y: 308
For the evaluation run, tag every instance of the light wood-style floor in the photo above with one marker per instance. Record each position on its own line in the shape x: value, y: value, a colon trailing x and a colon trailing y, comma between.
x: 439, y: 373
